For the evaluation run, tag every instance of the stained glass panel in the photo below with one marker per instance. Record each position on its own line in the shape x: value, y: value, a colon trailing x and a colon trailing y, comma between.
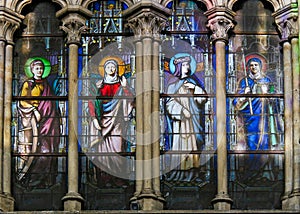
x: 187, y: 109
x: 106, y: 109
x: 39, y: 122
x: 255, y: 120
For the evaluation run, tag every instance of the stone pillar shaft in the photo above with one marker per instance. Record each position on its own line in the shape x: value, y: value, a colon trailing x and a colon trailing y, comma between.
x: 287, y: 21
x: 10, y: 21
x: 222, y: 200
x: 155, y: 118
x: 221, y: 117
x: 6, y: 199
x: 147, y: 150
x: 73, y: 200
x: 147, y: 100
x: 150, y: 196
x: 7, y: 120
x: 2, y: 81
x: 220, y: 22
x: 72, y: 119
x: 73, y: 25
x: 288, y: 115
x: 139, y: 117
x: 146, y: 26
x: 296, y: 114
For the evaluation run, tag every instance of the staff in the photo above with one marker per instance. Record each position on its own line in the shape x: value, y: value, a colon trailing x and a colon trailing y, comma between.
x: 246, y: 80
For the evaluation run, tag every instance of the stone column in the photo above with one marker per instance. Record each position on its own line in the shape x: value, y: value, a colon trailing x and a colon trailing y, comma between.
x: 288, y: 118
x: 2, y: 70
x: 146, y: 25
x: 219, y: 22
x: 7, y: 201
x: 295, y: 196
x: 147, y: 112
x: 287, y: 23
x: 139, y: 120
x: 156, y: 118
x: 8, y: 26
x: 73, y: 25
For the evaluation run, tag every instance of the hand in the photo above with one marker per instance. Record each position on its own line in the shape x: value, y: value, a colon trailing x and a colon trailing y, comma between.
x: 37, y: 115
x: 264, y: 89
x: 99, y: 84
x: 186, y: 113
x: 247, y: 90
x: 242, y: 99
x: 123, y: 81
x: 96, y: 124
x: 189, y: 85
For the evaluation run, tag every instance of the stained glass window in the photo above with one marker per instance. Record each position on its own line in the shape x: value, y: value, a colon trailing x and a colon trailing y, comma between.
x: 106, y: 109
x: 187, y: 109
x: 39, y: 109
x: 255, y: 109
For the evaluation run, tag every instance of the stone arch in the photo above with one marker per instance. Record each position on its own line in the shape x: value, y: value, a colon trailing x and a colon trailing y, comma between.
x: 128, y: 2
x: 277, y: 4
x: 86, y: 3
x: 208, y: 3
x: 18, y: 5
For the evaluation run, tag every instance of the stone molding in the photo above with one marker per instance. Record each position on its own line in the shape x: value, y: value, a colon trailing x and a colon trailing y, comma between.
x: 9, y: 23
x: 147, y: 18
x: 286, y: 20
x: 73, y: 18
x: 73, y: 26
x: 220, y: 21
x: 146, y: 25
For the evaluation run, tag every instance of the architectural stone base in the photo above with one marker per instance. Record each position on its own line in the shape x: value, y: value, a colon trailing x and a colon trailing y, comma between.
x: 292, y: 202
x: 147, y: 202
x: 222, y: 202
x: 72, y: 201
x: 6, y: 203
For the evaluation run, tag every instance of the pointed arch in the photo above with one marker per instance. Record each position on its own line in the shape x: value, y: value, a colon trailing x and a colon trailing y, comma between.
x: 86, y: 3
x: 62, y: 3
x: 277, y: 4
x: 19, y: 5
x: 208, y: 3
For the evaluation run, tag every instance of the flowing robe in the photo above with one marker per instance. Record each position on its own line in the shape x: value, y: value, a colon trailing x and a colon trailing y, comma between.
x: 185, y: 133
x: 113, y: 115
x: 41, y: 136
x: 262, y: 128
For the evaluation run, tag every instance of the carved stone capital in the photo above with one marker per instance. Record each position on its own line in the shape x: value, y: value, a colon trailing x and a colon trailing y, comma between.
x: 220, y: 28
x: 288, y: 29
x: 286, y: 20
x: 9, y: 23
x: 146, y: 25
x: 147, y: 18
x: 6, y: 202
x: 73, y: 25
x: 73, y: 18
x: 220, y: 22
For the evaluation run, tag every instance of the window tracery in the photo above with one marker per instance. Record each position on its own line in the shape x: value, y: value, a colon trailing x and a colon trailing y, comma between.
x: 255, y: 125
x: 39, y: 121
x: 187, y: 106
x: 106, y: 107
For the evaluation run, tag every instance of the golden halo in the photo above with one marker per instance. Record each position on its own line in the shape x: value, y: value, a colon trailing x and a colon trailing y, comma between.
x: 260, y: 57
x: 120, y: 62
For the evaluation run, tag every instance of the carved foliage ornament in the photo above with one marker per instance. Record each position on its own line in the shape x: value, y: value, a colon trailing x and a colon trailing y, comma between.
x: 147, y: 24
x: 73, y: 27
x: 220, y: 28
x: 288, y: 28
x: 7, y: 29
